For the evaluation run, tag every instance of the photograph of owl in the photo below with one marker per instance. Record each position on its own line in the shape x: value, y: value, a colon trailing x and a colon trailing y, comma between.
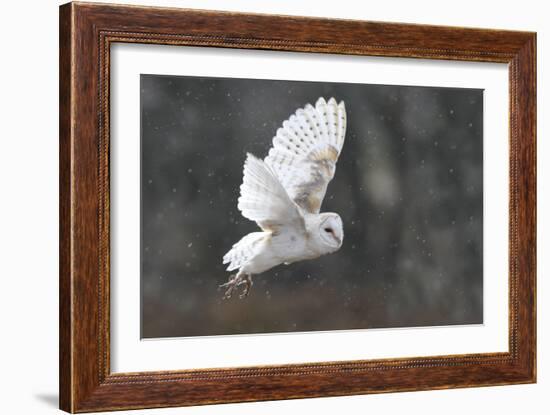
x: 283, y: 194
x: 408, y: 190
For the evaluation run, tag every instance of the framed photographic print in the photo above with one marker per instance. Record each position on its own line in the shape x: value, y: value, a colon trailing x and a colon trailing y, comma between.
x: 255, y: 208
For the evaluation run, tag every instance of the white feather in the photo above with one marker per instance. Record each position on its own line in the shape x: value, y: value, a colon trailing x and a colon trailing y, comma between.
x: 263, y: 199
x: 305, y: 151
x: 244, y: 250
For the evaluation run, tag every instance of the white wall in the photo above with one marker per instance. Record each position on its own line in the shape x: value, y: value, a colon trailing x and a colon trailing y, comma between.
x: 28, y: 208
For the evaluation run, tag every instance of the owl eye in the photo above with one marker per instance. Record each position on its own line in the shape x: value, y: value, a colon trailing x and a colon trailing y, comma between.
x: 328, y: 230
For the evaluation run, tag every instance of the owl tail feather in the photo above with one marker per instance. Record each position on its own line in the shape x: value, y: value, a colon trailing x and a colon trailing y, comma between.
x: 243, y: 251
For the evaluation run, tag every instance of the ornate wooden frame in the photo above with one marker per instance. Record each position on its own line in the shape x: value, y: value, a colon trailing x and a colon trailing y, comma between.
x: 86, y: 33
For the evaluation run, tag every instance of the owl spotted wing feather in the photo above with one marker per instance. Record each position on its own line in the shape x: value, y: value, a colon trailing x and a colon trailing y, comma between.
x: 264, y: 200
x: 305, y: 151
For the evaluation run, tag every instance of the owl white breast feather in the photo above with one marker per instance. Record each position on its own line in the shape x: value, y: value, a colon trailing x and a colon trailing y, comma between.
x: 283, y: 195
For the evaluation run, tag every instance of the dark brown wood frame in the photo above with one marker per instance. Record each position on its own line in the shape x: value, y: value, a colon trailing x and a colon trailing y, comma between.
x: 86, y: 33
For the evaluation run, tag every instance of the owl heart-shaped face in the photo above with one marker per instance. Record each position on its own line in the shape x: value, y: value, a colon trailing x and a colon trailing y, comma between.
x: 332, y: 231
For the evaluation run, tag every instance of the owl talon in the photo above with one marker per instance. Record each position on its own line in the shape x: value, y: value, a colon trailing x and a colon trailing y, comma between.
x: 231, y: 285
x: 234, y: 282
x: 247, y: 281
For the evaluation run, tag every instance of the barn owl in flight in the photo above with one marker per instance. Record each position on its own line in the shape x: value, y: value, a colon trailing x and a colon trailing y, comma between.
x: 283, y: 195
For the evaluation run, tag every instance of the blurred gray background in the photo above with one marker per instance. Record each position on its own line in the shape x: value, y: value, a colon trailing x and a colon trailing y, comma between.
x: 408, y: 186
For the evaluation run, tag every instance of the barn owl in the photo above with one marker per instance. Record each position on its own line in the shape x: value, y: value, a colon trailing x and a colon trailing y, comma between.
x: 283, y: 194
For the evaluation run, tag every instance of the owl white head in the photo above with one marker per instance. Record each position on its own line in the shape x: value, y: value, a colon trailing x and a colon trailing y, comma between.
x: 331, y: 231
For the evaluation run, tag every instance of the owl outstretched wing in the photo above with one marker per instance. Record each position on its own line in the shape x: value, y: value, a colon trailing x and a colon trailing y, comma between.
x: 264, y: 200
x: 305, y: 151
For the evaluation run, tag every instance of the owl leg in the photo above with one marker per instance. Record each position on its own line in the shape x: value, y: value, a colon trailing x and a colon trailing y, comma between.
x: 247, y: 281
x: 236, y: 280
x: 232, y: 284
